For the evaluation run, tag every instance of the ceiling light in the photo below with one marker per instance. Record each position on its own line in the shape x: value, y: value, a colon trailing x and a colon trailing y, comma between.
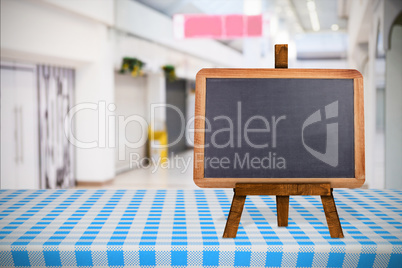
x: 334, y: 27
x: 311, y: 6
x: 252, y: 7
x: 312, y: 10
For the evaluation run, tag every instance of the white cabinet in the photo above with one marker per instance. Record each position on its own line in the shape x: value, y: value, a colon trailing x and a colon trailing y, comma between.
x: 19, y: 127
x: 130, y: 100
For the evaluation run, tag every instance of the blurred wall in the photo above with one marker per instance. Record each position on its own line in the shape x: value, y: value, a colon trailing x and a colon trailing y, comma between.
x: 45, y: 32
x: 130, y: 99
x: 368, y: 20
x: 393, y: 111
x: 92, y: 37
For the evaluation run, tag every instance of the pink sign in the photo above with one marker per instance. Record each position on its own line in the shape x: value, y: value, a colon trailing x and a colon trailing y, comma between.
x: 217, y: 26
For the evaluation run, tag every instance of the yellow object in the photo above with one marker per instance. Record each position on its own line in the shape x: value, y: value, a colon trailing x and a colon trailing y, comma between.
x: 135, y: 71
x: 158, y: 139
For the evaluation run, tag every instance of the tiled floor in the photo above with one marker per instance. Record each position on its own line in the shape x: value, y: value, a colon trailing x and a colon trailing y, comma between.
x: 176, y: 176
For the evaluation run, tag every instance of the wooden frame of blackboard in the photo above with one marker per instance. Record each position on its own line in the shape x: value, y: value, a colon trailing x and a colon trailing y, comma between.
x: 199, y: 125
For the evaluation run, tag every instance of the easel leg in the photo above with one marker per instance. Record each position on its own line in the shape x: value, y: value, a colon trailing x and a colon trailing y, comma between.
x: 334, y: 225
x: 234, y: 216
x: 282, y: 210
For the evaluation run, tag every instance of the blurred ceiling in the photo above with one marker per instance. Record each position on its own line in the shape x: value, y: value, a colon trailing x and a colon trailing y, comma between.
x: 171, y: 7
x: 292, y: 16
x: 327, y: 11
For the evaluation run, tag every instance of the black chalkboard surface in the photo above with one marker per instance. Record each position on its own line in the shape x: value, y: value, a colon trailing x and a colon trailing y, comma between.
x: 262, y: 120
x: 267, y: 125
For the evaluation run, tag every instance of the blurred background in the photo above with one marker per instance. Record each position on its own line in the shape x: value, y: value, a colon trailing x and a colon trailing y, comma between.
x: 90, y: 88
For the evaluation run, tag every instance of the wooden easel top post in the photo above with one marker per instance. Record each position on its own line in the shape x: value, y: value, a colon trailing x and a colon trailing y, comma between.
x: 281, y: 56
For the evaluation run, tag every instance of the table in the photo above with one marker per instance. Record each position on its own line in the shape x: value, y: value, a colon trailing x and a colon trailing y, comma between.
x: 99, y: 228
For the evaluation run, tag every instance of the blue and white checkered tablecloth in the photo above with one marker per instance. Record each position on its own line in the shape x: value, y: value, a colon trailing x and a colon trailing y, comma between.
x: 100, y: 228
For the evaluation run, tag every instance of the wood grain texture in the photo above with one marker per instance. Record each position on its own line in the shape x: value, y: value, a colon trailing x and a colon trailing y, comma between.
x: 359, y: 130
x: 331, y: 214
x: 231, y: 182
x: 283, y: 189
x: 233, y: 221
x: 281, y: 56
x: 199, y: 128
x: 199, y: 135
x: 278, y: 73
x: 282, y: 210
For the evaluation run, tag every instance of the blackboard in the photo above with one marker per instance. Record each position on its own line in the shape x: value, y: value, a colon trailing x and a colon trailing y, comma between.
x: 267, y: 125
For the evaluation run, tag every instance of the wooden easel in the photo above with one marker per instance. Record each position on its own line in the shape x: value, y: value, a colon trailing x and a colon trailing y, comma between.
x: 282, y: 190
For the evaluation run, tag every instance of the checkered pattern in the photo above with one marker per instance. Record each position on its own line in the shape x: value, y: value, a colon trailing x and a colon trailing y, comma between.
x: 154, y: 228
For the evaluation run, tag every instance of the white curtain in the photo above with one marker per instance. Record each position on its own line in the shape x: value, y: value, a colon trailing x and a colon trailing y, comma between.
x: 55, y: 94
